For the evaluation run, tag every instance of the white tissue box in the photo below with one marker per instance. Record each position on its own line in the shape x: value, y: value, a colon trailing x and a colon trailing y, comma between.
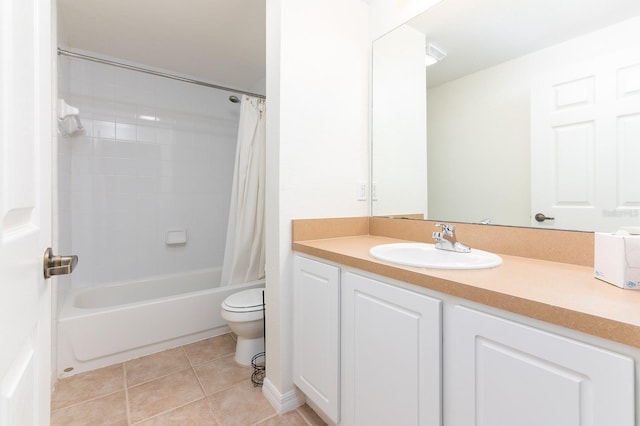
x: 617, y: 259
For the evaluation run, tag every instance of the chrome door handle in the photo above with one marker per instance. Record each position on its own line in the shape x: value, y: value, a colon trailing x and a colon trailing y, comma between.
x: 58, y: 265
x: 540, y: 217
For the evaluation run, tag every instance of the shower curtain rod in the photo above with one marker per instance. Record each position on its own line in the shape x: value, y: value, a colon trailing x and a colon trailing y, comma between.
x: 152, y: 72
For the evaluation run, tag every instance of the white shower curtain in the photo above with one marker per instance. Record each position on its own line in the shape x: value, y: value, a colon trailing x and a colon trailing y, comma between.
x: 244, y: 257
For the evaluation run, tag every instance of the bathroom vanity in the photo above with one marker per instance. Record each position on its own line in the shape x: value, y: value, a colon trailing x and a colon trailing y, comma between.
x: 530, y: 342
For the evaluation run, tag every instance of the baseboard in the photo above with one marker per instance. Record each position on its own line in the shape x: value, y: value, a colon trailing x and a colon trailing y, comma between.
x: 282, y: 402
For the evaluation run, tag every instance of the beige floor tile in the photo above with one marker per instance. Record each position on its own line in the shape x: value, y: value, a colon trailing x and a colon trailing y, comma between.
x: 292, y: 418
x: 210, y: 349
x: 154, y: 366
x: 240, y: 405
x: 164, y: 394
x: 311, y: 416
x: 222, y: 373
x: 195, y: 414
x: 106, y: 410
x: 86, y: 386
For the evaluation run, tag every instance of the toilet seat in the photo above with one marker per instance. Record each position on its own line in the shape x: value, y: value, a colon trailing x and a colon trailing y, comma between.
x: 244, y: 301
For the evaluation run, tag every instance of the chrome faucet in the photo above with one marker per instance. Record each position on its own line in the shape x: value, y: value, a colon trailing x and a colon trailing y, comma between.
x: 446, y: 239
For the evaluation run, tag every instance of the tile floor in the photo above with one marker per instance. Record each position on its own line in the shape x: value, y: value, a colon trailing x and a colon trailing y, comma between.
x: 195, y: 384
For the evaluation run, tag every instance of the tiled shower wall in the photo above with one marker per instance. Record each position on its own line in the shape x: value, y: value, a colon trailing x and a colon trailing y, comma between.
x: 155, y: 155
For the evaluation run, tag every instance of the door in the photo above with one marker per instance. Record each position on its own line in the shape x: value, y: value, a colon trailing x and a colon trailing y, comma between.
x: 502, y: 373
x: 585, y: 127
x: 26, y: 117
x: 391, y: 356
x: 316, y: 328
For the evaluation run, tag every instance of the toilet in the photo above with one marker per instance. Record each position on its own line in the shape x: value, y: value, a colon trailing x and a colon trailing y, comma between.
x: 243, y: 312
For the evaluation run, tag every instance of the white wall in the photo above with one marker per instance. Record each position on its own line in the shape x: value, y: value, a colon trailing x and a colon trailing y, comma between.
x: 318, y: 70
x: 317, y: 140
x: 127, y: 180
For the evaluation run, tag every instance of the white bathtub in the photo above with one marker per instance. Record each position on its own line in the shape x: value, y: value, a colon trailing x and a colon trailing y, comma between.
x: 113, y: 323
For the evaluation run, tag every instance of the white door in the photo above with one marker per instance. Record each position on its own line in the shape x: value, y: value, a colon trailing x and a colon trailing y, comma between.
x: 26, y: 55
x: 585, y: 133
x: 391, y: 355
x: 316, y: 328
x: 501, y: 373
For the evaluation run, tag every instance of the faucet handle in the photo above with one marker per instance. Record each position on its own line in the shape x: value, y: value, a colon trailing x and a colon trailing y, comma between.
x: 446, y: 228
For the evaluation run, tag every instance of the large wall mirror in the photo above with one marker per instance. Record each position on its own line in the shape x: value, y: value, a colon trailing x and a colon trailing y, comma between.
x: 534, y: 110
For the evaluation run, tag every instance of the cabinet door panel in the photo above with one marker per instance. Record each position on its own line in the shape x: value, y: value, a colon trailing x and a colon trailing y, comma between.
x: 502, y: 373
x: 316, y: 330
x: 391, y: 357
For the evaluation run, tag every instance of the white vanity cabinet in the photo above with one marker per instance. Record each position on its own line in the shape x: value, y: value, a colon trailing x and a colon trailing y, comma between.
x: 391, y: 354
x: 316, y: 328
x: 501, y: 373
x: 373, y: 351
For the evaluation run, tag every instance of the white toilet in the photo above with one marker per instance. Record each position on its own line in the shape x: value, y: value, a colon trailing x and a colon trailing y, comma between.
x: 243, y: 312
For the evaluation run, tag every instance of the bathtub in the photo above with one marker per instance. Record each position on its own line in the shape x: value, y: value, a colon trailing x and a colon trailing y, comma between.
x: 113, y: 323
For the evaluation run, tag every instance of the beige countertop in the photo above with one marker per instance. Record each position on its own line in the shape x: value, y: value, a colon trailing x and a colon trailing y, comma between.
x: 559, y: 293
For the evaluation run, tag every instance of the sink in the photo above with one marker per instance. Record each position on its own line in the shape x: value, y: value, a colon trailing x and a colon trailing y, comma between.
x: 425, y: 255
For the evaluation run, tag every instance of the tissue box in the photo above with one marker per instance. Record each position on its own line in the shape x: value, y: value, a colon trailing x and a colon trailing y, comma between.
x: 617, y: 259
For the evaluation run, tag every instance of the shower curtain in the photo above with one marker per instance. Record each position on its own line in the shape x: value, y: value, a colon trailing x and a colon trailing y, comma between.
x: 244, y: 258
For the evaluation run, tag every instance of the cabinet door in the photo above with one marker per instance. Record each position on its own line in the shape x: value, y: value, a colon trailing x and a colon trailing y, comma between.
x: 316, y: 328
x: 501, y: 373
x: 391, y: 355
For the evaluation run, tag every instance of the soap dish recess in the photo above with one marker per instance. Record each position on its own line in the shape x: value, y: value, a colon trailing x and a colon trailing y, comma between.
x: 176, y: 236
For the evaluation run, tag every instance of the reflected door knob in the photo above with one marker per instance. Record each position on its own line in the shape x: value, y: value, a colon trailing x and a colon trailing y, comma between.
x: 58, y: 265
x: 540, y: 217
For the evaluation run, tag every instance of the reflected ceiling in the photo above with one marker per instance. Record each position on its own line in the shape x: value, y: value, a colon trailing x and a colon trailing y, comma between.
x: 509, y: 29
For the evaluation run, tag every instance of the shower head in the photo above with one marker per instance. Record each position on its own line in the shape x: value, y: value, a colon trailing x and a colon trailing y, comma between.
x: 234, y: 99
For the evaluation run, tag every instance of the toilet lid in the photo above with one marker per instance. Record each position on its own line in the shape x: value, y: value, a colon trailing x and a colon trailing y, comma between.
x: 245, y: 299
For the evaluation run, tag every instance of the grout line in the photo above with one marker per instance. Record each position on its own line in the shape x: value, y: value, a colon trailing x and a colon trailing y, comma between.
x: 216, y: 359
x: 195, y: 373
x: 276, y: 415
x: 160, y: 377
x: 309, y: 423
x: 193, y: 369
x: 220, y: 356
x: 86, y: 400
x: 213, y: 359
x: 168, y: 411
x: 299, y: 411
x: 222, y: 389
x: 273, y: 416
x: 216, y: 417
x: 204, y: 391
x: 126, y: 394
x: 187, y: 355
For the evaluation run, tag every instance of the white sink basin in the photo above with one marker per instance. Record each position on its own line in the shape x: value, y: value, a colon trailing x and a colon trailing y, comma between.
x: 427, y: 256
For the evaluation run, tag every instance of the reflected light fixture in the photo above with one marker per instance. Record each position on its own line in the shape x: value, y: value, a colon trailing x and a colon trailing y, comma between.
x: 148, y: 117
x: 433, y: 55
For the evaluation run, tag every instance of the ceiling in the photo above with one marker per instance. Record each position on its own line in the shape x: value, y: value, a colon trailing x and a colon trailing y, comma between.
x: 217, y: 41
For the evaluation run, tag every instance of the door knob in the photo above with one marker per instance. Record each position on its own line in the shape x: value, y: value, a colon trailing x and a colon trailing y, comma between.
x: 540, y: 217
x: 58, y: 265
